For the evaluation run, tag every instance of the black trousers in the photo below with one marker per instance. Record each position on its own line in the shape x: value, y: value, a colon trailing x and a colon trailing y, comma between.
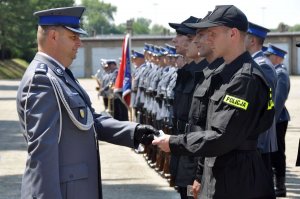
x: 278, y: 157
x: 120, y: 110
x: 183, y: 193
x: 105, y: 101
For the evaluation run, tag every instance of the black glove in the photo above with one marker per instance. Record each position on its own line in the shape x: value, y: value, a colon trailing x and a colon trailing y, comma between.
x: 145, y: 134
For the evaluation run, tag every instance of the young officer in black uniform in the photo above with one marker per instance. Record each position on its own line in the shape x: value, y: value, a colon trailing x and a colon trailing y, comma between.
x: 239, y: 109
x: 198, y: 113
x: 184, y: 169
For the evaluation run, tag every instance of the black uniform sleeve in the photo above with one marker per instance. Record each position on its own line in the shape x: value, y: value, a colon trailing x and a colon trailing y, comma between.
x: 233, y: 115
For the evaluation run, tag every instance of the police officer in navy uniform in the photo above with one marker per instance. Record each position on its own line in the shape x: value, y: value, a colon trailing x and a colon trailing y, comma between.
x: 238, y: 112
x: 59, y: 124
x: 105, y: 88
x: 138, y: 59
x: 276, y: 56
x: 267, y: 142
x: 187, y: 79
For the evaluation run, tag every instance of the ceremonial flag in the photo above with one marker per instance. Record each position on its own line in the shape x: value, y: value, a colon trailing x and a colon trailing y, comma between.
x: 123, y: 81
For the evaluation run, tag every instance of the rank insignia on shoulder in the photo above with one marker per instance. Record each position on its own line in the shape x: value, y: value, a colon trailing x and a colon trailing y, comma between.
x: 81, y: 112
x: 58, y: 71
x: 236, y: 102
x: 41, y: 68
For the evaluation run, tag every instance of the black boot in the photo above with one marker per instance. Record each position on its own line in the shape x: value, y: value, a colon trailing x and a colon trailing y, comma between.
x: 280, y: 190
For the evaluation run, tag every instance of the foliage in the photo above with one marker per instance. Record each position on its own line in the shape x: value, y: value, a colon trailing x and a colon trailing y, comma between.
x: 98, y: 17
x: 141, y: 26
x: 159, y: 30
x: 295, y: 28
x: 18, y: 26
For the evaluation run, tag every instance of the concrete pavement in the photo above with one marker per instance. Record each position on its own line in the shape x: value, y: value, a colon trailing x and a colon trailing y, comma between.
x: 125, y: 174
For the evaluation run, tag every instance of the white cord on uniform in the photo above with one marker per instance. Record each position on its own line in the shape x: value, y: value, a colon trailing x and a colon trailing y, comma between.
x: 90, y: 120
x: 59, y: 108
x: 25, y: 109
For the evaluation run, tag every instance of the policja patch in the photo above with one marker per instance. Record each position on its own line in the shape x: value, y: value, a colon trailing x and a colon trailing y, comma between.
x: 237, y: 102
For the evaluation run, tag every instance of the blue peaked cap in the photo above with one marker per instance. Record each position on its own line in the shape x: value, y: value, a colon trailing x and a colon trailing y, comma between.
x: 264, y: 48
x: 275, y: 50
x: 171, y: 50
x: 146, y: 47
x: 135, y: 54
x: 257, y: 30
x: 69, y: 17
x: 163, y: 50
x: 156, y: 51
x: 151, y: 48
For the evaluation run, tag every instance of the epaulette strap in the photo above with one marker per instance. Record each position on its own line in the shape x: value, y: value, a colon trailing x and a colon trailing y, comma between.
x: 258, y: 71
x: 246, y: 69
x: 41, y: 69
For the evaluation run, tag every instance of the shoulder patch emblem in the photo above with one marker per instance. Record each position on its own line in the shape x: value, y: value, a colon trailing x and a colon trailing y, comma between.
x: 41, y: 68
x: 236, y: 102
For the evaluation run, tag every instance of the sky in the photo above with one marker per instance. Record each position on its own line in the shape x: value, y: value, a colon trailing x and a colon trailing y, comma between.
x: 268, y: 13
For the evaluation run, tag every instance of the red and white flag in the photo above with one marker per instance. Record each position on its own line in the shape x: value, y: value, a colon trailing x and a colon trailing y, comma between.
x: 123, y: 81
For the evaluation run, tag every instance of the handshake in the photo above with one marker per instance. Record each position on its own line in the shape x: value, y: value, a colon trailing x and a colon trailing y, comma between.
x: 146, y: 134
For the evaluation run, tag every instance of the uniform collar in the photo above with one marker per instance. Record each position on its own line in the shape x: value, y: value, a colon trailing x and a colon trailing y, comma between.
x: 257, y: 54
x: 236, y: 64
x: 213, y: 66
x: 51, y: 58
x: 280, y: 66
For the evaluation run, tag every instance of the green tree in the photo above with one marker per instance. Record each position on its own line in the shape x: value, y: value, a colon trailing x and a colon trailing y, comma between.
x: 295, y: 28
x: 159, y: 30
x: 98, y: 17
x: 141, y: 26
x: 18, y: 26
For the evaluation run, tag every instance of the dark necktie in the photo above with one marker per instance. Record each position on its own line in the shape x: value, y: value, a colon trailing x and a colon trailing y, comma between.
x: 69, y: 72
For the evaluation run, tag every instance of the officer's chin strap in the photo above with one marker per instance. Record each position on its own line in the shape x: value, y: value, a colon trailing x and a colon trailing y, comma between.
x: 58, y: 92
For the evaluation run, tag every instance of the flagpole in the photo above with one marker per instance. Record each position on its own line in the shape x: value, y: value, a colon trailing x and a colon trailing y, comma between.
x: 129, y: 43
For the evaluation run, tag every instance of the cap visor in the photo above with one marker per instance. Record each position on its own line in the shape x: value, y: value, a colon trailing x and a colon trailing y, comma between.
x: 174, y: 25
x: 298, y: 44
x: 186, y: 31
x: 77, y: 30
x: 202, y: 24
x: 267, y: 53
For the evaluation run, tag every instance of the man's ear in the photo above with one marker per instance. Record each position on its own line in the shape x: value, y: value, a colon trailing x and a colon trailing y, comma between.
x: 53, y: 35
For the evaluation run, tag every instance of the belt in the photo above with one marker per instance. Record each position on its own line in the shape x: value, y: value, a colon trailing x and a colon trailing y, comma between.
x: 248, y: 145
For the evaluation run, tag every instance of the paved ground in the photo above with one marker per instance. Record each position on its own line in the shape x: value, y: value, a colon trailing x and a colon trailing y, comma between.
x: 125, y: 174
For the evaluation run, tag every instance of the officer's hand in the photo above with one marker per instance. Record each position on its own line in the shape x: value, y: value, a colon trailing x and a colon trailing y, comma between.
x: 145, y: 134
x: 162, y: 142
x: 196, y: 188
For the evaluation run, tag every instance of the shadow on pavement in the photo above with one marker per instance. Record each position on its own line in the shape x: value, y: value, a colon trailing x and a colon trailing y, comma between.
x: 11, y: 137
x: 130, y: 191
x: 7, y: 98
x: 292, y: 183
x: 10, y: 186
x: 8, y: 87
